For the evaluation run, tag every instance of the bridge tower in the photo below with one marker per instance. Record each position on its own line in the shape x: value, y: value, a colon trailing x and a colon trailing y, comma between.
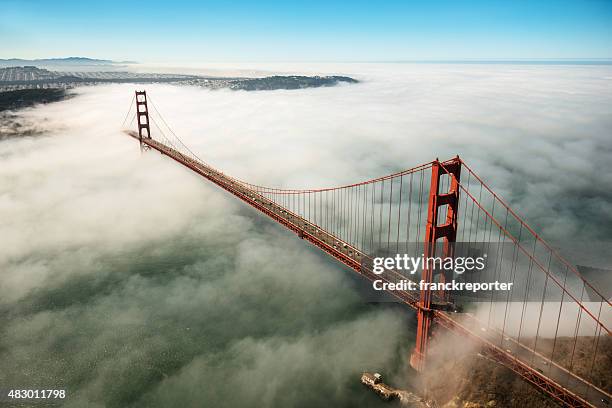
x: 142, y: 117
x: 434, y: 232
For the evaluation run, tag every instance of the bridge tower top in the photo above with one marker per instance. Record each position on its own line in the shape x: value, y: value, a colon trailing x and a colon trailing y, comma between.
x: 142, y: 115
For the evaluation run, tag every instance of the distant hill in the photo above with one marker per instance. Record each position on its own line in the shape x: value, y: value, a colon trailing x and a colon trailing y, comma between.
x: 68, y: 62
x: 287, y: 82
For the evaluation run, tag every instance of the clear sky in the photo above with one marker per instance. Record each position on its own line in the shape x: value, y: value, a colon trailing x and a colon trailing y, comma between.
x: 351, y: 30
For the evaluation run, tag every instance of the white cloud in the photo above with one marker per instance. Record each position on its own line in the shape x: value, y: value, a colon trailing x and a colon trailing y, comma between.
x: 104, y: 251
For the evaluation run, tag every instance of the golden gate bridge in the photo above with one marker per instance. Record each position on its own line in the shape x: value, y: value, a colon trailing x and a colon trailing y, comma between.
x: 544, y: 333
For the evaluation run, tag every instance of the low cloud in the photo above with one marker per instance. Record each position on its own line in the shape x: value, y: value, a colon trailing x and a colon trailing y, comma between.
x: 128, y: 280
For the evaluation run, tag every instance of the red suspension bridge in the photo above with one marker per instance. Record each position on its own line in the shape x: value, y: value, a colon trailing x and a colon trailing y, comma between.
x: 543, y: 332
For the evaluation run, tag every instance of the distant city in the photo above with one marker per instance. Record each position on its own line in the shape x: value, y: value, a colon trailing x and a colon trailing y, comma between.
x: 30, y: 77
x: 26, y: 85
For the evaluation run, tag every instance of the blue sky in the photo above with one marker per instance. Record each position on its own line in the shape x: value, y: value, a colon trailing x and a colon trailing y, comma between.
x: 198, y: 31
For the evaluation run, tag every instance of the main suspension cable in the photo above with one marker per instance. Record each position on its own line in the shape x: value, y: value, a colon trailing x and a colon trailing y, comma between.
x: 274, y: 190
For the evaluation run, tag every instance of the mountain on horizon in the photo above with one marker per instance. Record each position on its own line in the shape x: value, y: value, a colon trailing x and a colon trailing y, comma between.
x: 70, y: 61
